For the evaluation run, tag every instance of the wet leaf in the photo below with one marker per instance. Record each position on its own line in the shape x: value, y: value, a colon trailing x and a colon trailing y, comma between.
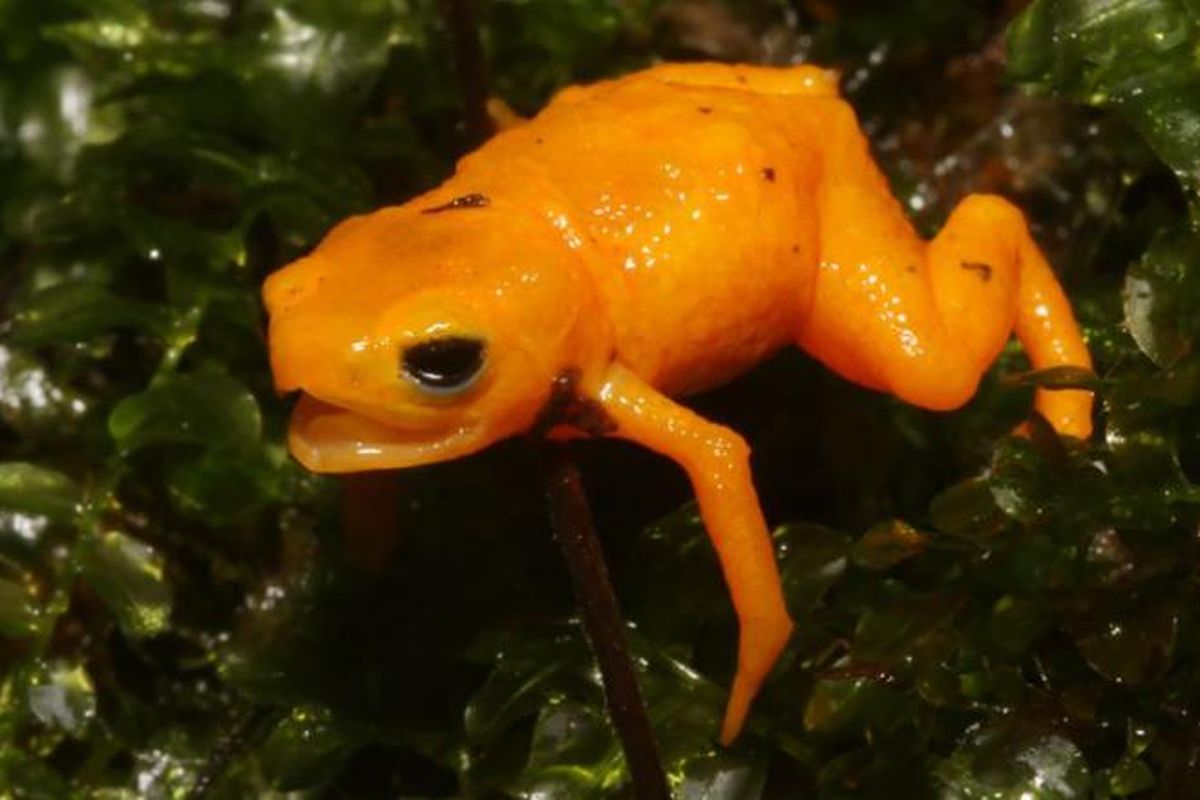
x: 721, y: 776
x: 1018, y: 480
x: 1015, y: 761
x: 206, y: 408
x: 516, y: 687
x: 890, y: 633
x: 674, y: 557
x: 811, y: 559
x: 128, y: 575
x: 35, y: 403
x: 841, y: 706
x: 1137, y: 57
x: 1125, y: 639
x: 967, y: 510
x: 74, y: 312
x: 1129, y: 777
x: 223, y: 485
x: 888, y: 544
x: 62, y: 696
x: 304, y: 750
x: 1161, y: 310
x: 21, y: 614
x: 542, y: 44
x: 38, y: 490
x: 1016, y: 623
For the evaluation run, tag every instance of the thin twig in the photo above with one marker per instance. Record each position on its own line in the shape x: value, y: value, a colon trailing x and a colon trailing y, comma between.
x: 247, y: 728
x: 470, y: 67
x: 602, y: 622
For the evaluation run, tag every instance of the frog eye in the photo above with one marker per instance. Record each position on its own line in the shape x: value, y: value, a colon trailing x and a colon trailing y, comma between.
x: 446, y: 365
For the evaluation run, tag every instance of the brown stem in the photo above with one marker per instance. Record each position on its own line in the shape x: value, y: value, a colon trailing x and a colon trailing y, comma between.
x: 244, y: 730
x: 470, y: 66
x: 572, y: 522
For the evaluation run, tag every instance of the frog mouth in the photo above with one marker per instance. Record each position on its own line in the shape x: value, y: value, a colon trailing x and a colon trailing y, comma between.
x: 329, y: 438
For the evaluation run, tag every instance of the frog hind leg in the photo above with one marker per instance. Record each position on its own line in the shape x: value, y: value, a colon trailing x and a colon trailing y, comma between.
x: 717, y: 462
x: 923, y: 320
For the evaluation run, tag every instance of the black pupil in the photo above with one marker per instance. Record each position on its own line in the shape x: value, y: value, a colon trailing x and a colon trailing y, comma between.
x: 444, y: 363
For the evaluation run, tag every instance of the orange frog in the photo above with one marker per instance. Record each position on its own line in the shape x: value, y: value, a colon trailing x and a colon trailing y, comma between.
x: 640, y: 239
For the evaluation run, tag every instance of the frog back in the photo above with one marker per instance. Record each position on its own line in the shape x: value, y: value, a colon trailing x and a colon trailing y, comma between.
x: 690, y: 189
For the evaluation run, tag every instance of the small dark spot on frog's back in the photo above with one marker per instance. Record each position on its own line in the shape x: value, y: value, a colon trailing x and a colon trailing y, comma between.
x: 768, y: 174
x: 472, y: 200
x: 984, y: 270
x: 704, y: 109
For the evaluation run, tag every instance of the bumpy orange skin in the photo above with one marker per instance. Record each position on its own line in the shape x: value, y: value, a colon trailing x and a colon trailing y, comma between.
x: 657, y: 235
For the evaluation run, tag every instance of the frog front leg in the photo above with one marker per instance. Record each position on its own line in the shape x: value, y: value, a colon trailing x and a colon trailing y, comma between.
x: 717, y: 462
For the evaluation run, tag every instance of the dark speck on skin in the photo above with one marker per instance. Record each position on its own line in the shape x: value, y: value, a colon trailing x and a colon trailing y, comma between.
x: 769, y: 174
x: 984, y: 270
x: 472, y: 200
x: 741, y: 78
x: 795, y: 248
x: 539, y: 140
x: 704, y: 109
x: 911, y: 268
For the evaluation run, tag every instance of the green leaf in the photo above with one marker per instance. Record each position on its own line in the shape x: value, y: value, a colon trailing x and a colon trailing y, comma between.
x: 887, y: 544
x: 1126, y: 639
x: 1129, y: 777
x: 21, y: 615
x: 811, y: 560
x: 573, y: 754
x: 541, y: 45
x: 75, y: 312
x: 1016, y: 760
x: 1162, y: 298
x: 888, y: 635
x: 304, y: 750
x: 1016, y: 623
x: 968, y: 510
x: 33, y: 489
x: 52, y: 115
x: 844, y: 706
x: 516, y: 687
x: 128, y: 576
x: 34, y: 402
x: 206, y: 408
x: 225, y: 484
x: 1137, y: 56
x: 721, y: 776
x: 62, y: 696
x: 313, y: 63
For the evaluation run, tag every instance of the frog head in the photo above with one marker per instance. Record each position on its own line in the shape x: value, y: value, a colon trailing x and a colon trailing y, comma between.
x: 425, y: 332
